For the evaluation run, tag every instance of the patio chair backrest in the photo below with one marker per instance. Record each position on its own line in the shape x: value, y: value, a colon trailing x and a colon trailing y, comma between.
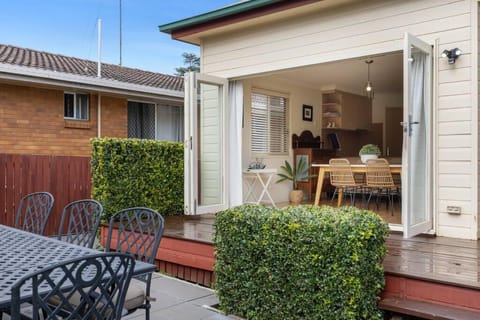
x: 33, y: 212
x: 89, y: 287
x: 81, y: 219
x: 139, y: 232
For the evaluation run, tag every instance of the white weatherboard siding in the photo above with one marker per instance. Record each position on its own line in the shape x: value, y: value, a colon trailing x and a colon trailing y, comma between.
x: 367, y: 28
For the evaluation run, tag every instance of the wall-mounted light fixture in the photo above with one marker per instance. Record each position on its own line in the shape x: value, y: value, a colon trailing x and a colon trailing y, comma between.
x: 452, y: 54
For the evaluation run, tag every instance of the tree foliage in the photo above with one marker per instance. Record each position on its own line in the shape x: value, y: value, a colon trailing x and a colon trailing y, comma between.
x: 191, y: 62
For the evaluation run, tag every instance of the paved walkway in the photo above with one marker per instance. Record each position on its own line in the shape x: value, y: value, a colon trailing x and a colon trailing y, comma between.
x: 180, y: 300
x: 176, y: 300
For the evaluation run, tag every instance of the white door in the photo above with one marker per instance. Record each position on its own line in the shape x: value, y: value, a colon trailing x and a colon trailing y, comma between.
x: 205, y: 136
x: 417, y: 141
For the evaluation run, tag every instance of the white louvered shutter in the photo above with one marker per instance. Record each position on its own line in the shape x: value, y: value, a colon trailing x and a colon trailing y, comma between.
x: 269, y: 132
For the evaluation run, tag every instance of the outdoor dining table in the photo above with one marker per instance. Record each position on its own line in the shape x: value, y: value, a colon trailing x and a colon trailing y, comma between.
x: 23, y: 252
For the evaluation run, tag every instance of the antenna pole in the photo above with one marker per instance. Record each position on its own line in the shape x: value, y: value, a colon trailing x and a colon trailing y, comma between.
x: 99, y: 49
x: 120, y: 32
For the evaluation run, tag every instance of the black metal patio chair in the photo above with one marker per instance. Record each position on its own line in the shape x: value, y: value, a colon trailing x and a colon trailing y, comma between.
x: 33, y: 212
x: 81, y: 220
x: 137, y: 231
x: 89, y: 287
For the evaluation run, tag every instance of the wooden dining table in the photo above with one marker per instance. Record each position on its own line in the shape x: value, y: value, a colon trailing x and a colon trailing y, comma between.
x: 356, y: 168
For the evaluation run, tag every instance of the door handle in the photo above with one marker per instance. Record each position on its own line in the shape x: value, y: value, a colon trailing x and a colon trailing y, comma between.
x: 407, y: 126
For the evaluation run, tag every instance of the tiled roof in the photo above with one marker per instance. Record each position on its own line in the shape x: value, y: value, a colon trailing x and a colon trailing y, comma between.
x: 80, y: 67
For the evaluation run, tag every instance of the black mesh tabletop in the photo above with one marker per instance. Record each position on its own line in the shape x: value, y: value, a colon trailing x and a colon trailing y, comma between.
x: 24, y: 252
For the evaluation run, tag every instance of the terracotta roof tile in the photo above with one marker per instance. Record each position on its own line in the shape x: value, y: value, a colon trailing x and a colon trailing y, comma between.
x: 80, y: 67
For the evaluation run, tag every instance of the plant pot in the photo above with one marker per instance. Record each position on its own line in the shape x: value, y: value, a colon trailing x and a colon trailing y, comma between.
x: 296, y: 197
x: 365, y: 157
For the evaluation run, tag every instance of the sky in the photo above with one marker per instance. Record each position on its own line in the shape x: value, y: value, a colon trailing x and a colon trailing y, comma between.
x: 69, y: 27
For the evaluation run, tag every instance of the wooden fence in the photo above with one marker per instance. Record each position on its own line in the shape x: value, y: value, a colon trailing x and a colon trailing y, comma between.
x: 67, y: 178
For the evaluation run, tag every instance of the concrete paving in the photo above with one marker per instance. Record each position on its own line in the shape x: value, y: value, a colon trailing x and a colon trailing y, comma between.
x: 180, y: 300
x: 175, y: 300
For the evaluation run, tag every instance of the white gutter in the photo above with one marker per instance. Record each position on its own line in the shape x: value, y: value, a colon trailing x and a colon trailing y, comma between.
x: 40, y: 76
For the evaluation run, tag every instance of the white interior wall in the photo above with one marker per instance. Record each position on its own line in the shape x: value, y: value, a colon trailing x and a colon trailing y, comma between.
x: 297, y: 97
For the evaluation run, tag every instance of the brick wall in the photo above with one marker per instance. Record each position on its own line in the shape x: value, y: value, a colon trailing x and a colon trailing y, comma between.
x: 31, y: 122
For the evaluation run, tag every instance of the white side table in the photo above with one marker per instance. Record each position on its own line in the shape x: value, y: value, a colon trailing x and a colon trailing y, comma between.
x: 253, y: 177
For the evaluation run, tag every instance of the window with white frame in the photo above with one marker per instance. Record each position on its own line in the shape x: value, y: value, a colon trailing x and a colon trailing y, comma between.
x: 269, y: 125
x: 75, y: 106
x: 151, y: 121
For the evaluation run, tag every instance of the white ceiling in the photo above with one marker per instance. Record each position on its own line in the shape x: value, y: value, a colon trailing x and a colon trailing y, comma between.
x: 386, y: 74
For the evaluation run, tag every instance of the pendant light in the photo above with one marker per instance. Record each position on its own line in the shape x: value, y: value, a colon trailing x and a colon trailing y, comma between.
x: 368, y: 88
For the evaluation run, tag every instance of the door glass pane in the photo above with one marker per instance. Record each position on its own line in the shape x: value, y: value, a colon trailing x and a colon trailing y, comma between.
x: 209, y: 110
x: 418, y: 138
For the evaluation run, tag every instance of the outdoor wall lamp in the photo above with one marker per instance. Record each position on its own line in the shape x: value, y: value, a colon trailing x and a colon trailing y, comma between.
x: 452, y: 55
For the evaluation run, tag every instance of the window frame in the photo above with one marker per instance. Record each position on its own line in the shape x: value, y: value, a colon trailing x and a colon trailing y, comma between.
x: 269, y: 94
x: 75, y: 94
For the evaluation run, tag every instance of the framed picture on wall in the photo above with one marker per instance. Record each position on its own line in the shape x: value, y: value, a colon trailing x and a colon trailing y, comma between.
x: 307, y: 112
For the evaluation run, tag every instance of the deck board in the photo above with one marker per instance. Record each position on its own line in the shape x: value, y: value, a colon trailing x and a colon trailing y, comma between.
x: 440, y: 259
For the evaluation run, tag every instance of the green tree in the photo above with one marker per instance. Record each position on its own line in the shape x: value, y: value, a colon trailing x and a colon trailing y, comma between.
x: 191, y: 62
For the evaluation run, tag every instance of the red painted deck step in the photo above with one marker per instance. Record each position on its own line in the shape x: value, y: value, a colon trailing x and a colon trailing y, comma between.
x: 427, y: 310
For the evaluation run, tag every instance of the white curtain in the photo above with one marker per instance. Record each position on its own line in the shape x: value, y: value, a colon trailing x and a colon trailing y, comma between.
x: 417, y: 136
x: 235, y: 97
x: 169, y: 123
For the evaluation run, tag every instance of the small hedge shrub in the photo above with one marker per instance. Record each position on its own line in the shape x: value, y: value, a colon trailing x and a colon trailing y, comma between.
x: 136, y: 172
x: 300, y: 262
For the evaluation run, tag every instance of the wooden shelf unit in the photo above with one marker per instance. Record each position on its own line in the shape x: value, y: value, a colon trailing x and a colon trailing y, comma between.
x: 345, y: 111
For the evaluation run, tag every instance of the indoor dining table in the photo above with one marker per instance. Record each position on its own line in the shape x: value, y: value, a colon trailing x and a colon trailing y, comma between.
x: 23, y: 252
x: 356, y: 168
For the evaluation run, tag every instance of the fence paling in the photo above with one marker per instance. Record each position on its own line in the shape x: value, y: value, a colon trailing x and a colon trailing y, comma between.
x: 67, y: 178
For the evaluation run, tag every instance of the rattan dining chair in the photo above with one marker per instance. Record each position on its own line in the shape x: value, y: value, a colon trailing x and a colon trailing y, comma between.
x: 379, y: 181
x: 80, y: 222
x: 342, y: 178
x: 138, y: 231
x: 89, y: 287
x: 33, y: 212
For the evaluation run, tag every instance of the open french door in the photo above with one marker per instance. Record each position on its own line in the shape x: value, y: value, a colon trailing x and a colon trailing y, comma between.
x: 417, y: 141
x: 205, y: 108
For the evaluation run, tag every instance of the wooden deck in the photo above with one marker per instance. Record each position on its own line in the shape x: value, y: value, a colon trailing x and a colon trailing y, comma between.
x: 434, y: 271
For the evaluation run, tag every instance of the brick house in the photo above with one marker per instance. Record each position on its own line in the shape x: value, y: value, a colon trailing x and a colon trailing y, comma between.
x: 52, y: 104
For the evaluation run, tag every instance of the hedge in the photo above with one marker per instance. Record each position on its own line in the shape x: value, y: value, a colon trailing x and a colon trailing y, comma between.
x: 137, y: 172
x: 300, y: 262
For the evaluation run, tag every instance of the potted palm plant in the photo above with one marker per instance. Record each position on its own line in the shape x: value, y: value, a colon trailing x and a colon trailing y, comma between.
x: 369, y: 151
x: 300, y: 173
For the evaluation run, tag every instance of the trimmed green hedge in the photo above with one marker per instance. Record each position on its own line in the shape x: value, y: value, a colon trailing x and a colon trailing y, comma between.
x: 300, y: 262
x: 137, y: 172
